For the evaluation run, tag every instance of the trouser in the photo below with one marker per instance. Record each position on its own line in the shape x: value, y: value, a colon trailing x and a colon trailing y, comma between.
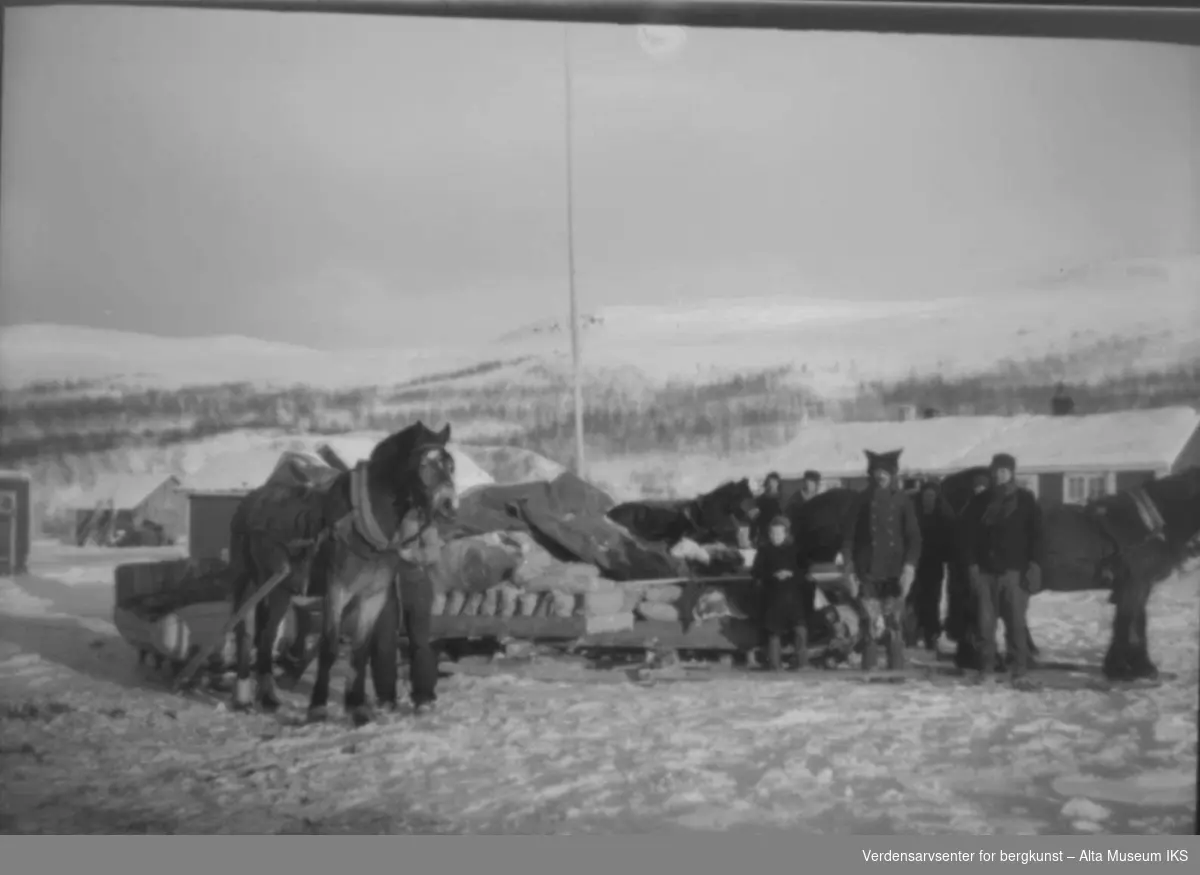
x: 416, y: 619
x: 882, y: 599
x: 926, y: 601
x: 958, y: 596
x: 1001, y: 597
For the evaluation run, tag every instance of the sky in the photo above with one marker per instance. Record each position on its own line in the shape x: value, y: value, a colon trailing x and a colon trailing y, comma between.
x: 342, y: 181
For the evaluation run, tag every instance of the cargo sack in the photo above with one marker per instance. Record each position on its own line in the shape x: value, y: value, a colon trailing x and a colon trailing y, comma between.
x: 664, y: 594
x: 599, y: 604
x: 630, y: 599
x: 570, y: 577
x: 439, y: 604
x: 487, y: 607
x: 658, y: 611
x: 454, y: 603
x: 560, y: 604
x: 527, y: 604
x: 507, y: 597
x: 471, y: 605
x: 473, y: 565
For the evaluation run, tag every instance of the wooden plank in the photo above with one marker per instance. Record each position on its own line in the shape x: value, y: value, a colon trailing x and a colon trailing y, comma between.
x: 728, y: 635
x: 509, y: 627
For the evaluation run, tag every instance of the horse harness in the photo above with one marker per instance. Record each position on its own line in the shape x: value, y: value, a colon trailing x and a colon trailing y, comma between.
x: 1152, y: 521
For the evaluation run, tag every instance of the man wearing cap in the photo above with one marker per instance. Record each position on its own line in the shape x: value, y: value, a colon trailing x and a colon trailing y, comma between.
x: 881, y: 549
x: 810, y: 485
x: 1003, y: 542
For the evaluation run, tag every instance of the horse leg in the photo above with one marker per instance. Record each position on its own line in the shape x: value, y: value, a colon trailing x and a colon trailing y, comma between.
x: 243, y: 692
x: 331, y: 628
x: 1117, y: 661
x: 362, y: 641
x: 1140, y: 663
x: 273, y: 613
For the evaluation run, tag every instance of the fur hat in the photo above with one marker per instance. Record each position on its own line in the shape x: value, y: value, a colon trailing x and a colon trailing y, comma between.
x: 772, y: 475
x: 1004, y: 460
x: 813, y: 476
x: 781, y: 520
x: 889, y: 462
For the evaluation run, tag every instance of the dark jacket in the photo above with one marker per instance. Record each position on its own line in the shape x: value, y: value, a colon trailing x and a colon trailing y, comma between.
x: 785, y: 603
x: 1001, y: 536
x: 883, y: 535
x: 769, y: 507
x: 937, y: 539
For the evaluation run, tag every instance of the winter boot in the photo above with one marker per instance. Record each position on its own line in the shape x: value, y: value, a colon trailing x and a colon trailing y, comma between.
x: 774, y: 653
x: 801, y: 648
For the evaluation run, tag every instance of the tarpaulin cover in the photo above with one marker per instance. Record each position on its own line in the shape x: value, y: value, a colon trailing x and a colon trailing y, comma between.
x: 567, y: 516
x: 291, y: 504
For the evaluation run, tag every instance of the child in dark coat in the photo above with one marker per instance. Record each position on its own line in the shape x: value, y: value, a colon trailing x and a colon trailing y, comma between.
x: 784, y: 592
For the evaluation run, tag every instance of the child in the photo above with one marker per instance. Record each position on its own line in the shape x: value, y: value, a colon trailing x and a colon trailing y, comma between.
x: 783, y: 593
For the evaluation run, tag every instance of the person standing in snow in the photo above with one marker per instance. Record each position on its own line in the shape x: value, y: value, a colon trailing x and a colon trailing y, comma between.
x: 936, y: 521
x: 783, y: 593
x: 1003, y: 544
x: 881, y: 548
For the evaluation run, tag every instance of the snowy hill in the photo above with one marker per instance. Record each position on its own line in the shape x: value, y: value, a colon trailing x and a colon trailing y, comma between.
x: 1112, y: 318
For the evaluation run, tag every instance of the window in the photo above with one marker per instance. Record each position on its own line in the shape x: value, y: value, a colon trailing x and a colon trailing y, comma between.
x: 1082, y: 488
x: 8, y: 503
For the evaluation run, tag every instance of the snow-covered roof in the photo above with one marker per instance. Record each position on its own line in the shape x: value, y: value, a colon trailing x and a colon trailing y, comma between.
x: 125, y: 492
x: 1132, y: 439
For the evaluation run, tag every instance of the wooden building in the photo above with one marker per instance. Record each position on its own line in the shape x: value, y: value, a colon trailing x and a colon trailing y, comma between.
x: 16, y: 522
x: 135, y: 500
x: 1062, y: 459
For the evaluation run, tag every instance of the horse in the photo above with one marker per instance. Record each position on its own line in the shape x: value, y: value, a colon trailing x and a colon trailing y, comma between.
x: 279, y: 530
x: 713, y: 517
x: 1125, y: 543
x: 378, y: 559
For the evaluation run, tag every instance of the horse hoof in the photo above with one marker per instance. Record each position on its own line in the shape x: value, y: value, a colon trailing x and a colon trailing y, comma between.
x: 318, y: 714
x: 239, y: 707
x: 270, y: 704
x: 362, y: 715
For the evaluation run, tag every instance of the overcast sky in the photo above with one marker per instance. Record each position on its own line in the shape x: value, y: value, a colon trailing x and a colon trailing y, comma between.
x: 334, y: 181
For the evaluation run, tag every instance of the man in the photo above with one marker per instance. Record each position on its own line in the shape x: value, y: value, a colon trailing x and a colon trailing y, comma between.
x: 810, y: 485
x: 881, y: 548
x: 1003, y: 543
x: 766, y: 507
x: 958, y: 590
x: 936, y: 523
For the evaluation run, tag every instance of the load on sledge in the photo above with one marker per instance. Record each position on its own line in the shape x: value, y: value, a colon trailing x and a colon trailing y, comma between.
x: 534, y: 561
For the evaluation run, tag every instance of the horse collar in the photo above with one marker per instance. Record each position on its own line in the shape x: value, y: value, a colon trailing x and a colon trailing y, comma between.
x: 365, y: 522
x: 1148, y: 513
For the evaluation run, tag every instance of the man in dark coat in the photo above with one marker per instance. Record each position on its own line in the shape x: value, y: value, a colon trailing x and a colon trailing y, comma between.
x: 881, y: 549
x: 936, y: 522
x: 1003, y: 546
x: 767, y: 507
x: 810, y: 485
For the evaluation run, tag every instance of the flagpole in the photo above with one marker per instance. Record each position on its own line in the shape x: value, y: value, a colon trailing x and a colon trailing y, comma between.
x: 577, y: 375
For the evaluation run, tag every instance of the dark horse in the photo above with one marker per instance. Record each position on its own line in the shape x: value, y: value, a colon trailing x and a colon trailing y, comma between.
x: 714, y: 517
x: 1126, y: 543
x: 338, y: 540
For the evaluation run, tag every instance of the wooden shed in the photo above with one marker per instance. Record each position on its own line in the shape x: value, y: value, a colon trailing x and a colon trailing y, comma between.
x: 209, y: 515
x: 135, y: 499
x: 1061, y: 459
x: 16, y: 522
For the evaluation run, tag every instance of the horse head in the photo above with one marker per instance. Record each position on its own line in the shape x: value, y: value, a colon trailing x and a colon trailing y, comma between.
x: 414, y: 469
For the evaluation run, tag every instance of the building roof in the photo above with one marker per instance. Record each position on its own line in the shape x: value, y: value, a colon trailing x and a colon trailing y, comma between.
x: 1131, y: 440
x: 127, y: 491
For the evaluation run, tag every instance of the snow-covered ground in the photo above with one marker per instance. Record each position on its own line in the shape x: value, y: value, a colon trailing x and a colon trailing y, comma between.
x: 91, y: 743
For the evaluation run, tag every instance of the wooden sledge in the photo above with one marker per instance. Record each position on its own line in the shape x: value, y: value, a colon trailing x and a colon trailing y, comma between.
x: 206, y: 650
